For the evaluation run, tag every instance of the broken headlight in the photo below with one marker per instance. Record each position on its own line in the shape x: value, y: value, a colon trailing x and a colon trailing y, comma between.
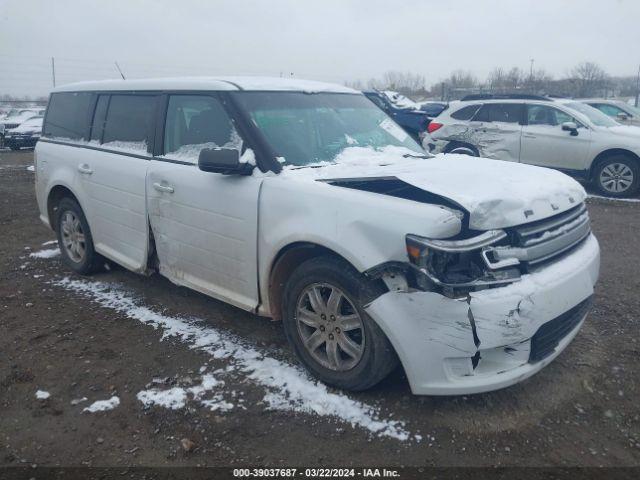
x: 457, y: 263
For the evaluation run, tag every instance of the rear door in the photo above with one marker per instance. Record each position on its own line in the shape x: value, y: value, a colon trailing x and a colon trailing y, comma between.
x: 545, y: 143
x: 496, y: 130
x: 113, y: 174
x: 204, y: 224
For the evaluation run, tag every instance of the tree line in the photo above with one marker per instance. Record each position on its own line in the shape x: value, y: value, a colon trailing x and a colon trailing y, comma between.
x: 587, y: 79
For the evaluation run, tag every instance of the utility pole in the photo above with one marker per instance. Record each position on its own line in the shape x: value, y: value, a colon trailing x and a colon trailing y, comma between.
x: 53, y: 71
x: 531, y: 70
x: 638, y: 86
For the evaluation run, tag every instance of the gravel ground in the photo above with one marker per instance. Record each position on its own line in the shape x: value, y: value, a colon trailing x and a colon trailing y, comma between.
x: 580, y: 410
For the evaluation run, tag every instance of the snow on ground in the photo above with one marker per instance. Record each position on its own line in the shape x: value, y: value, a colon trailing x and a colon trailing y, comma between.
x: 177, y: 397
x: 42, y: 395
x: 46, y: 253
x: 600, y: 197
x: 31, y: 168
x: 103, y: 405
x: 288, y: 387
x: 50, y: 242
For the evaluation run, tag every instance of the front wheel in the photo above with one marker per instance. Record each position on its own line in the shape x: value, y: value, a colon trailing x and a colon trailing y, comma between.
x: 74, y: 238
x: 617, y: 176
x: 330, y: 332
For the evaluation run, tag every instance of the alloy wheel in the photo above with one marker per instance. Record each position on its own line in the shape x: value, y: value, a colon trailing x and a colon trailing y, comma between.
x: 616, y: 177
x: 73, y: 239
x: 330, y: 327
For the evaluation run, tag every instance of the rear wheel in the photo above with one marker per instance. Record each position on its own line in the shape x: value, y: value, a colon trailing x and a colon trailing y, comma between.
x: 330, y: 332
x: 617, y: 176
x: 74, y: 238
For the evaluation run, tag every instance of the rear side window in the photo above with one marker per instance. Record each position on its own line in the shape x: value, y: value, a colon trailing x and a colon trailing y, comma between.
x: 129, y: 122
x: 500, y: 112
x: 195, y: 122
x: 465, y: 113
x: 68, y: 115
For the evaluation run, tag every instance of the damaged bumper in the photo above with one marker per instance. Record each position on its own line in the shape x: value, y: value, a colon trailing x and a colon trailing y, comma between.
x: 492, y: 338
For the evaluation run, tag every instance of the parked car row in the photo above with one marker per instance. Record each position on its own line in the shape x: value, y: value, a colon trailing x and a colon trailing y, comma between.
x: 21, y: 128
x: 304, y: 202
x: 564, y: 134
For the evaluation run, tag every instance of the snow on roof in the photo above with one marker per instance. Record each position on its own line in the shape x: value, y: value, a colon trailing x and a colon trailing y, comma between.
x: 209, y: 83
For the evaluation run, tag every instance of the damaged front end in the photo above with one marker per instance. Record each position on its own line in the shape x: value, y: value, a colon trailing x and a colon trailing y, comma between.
x: 487, y: 309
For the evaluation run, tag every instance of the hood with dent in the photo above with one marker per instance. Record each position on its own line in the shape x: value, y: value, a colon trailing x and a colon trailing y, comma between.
x: 496, y: 194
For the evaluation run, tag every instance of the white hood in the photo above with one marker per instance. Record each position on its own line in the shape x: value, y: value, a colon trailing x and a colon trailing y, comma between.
x: 495, y: 193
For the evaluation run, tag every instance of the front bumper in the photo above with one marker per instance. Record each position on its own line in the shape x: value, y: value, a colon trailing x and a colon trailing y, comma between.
x: 484, y: 342
x: 16, y: 141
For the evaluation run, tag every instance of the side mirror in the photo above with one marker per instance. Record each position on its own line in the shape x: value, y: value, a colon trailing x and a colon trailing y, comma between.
x: 623, y: 117
x: 223, y: 160
x: 570, y: 127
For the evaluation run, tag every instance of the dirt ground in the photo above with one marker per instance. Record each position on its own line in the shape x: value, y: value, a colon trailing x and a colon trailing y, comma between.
x: 580, y: 410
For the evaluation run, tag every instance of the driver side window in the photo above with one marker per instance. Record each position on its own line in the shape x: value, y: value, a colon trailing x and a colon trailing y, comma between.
x: 196, y: 122
x: 545, y: 115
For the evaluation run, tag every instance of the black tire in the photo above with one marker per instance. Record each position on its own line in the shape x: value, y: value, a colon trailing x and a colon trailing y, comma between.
x: 89, y: 262
x: 615, y: 161
x: 463, y: 149
x: 378, y: 358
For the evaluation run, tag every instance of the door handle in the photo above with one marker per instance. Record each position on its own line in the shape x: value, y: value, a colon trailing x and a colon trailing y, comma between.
x: 85, y: 169
x: 163, y: 188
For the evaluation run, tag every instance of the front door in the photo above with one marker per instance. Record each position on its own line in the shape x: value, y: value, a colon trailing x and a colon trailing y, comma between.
x: 204, y: 224
x: 545, y: 143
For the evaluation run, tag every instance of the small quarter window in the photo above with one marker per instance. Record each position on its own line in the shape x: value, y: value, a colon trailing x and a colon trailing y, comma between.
x: 465, y: 113
x: 68, y: 115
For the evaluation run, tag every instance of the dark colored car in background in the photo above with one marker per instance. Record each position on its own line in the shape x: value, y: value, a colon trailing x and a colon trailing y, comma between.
x: 433, y: 109
x: 413, y: 121
x: 25, y: 135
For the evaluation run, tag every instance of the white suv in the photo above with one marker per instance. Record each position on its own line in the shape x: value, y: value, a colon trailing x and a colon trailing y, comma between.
x: 304, y: 202
x: 564, y: 134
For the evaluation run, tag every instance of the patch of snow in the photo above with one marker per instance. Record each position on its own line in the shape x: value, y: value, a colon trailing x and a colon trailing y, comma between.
x: 611, y: 199
x: 42, y: 395
x: 77, y: 401
x: 130, y: 147
x: 50, y: 242
x: 288, y: 387
x: 31, y: 168
x: 173, y: 398
x: 103, y: 405
x: 248, y: 157
x: 47, y: 253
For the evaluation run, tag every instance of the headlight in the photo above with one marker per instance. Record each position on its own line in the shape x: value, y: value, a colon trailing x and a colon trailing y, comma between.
x: 457, y: 263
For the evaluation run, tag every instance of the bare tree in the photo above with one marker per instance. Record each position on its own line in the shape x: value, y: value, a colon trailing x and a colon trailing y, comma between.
x: 590, y: 79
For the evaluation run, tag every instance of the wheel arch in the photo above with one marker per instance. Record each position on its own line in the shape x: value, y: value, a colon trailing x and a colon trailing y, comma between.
x: 609, y: 152
x: 55, y: 195
x: 285, y: 262
x: 454, y: 144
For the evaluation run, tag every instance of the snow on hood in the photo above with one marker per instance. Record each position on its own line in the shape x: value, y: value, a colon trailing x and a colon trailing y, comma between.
x: 495, y: 193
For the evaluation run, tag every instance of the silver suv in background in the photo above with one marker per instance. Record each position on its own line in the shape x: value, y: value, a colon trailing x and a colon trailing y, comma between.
x: 563, y: 134
x: 620, y: 111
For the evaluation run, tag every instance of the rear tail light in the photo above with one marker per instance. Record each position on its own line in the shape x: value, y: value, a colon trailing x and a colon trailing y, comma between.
x: 433, y: 126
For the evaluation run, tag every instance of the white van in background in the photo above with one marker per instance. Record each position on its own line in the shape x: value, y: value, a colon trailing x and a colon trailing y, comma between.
x: 304, y: 202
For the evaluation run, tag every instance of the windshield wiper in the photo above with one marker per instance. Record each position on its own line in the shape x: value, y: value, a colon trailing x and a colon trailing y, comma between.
x: 418, y: 155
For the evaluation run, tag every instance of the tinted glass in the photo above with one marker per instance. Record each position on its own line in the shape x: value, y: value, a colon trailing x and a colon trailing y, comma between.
x: 465, y: 113
x: 608, y: 109
x: 544, y: 115
x: 196, y: 122
x: 596, y: 116
x: 305, y: 129
x: 97, y: 125
x: 129, y: 122
x: 67, y: 115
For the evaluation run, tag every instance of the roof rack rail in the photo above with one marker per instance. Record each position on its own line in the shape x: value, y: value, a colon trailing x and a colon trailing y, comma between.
x: 504, y: 96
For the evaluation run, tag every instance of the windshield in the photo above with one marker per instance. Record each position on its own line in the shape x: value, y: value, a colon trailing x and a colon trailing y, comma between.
x: 306, y: 129
x: 631, y: 109
x: 598, y: 118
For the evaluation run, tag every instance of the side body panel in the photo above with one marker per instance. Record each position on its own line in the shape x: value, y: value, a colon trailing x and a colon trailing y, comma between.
x: 367, y: 229
x: 205, y: 227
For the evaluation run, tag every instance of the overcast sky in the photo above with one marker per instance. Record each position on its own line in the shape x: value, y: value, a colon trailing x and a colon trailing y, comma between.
x: 331, y: 40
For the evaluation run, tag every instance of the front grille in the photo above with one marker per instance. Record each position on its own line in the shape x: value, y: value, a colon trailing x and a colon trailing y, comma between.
x: 540, y: 241
x: 549, y: 335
